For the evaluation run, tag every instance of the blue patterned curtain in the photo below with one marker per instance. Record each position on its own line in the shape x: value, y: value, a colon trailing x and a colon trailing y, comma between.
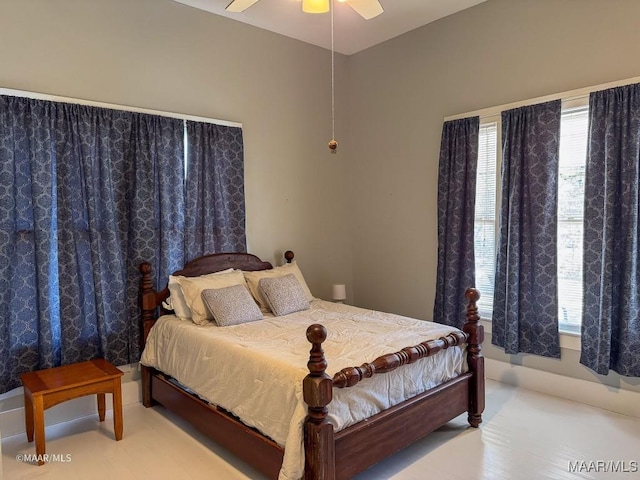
x: 215, y: 209
x: 156, y: 209
x: 525, y: 305
x: 87, y: 193
x: 29, y: 308
x: 456, y: 210
x: 611, y: 318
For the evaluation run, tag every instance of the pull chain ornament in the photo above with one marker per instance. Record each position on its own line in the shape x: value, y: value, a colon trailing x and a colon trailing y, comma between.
x: 333, y: 145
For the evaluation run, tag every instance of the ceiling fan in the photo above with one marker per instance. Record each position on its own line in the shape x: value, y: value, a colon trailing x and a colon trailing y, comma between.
x: 366, y: 8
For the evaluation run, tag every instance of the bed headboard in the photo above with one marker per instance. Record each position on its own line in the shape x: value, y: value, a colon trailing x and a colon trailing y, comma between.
x: 222, y: 261
x: 151, y: 300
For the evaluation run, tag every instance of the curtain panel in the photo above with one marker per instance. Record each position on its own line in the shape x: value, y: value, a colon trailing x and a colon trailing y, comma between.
x: 109, y: 169
x: 456, y: 209
x: 29, y: 311
x: 611, y: 322
x: 525, y: 305
x: 80, y: 206
x: 215, y: 205
x: 87, y: 194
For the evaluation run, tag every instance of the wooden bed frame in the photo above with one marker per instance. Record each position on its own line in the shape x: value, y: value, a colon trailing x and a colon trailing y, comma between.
x: 329, y: 455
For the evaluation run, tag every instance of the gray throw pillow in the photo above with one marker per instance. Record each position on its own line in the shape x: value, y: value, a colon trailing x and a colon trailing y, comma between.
x: 231, y: 305
x: 284, y: 294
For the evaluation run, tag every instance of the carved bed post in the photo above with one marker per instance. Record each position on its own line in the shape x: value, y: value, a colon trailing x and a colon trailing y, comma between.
x: 317, y: 389
x: 475, y: 333
x: 148, y: 319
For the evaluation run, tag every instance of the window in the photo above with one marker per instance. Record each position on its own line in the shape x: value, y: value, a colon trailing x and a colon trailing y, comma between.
x: 485, y: 227
x: 70, y: 302
x: 573, y: 148
x: 573, y: 155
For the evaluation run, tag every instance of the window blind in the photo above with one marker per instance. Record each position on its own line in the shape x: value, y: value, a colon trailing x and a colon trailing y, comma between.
x: 573, y: 153
x: 485, y: 216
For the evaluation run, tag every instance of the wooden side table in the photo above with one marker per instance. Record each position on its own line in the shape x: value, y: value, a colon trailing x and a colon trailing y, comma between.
x: 46, y: 388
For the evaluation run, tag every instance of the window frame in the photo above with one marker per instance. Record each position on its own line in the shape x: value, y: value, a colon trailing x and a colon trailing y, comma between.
x: 568, y: 106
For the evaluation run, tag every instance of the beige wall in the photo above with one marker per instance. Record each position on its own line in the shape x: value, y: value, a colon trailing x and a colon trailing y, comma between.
x: 366, y: 217
x: 163, y: 55
x: 498, y: 52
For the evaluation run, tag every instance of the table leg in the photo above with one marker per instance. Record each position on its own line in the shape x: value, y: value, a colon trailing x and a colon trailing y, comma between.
x: 101, y: 406
x: 117, y: 408
x: 38, y: 421
x: 28, y: 416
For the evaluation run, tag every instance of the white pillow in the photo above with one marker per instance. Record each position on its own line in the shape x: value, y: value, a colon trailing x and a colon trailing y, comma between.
x: 253, y: 278
x: 231, y: 305
x: 192, y: 288
x: 176, y: 300
x: 284, y: 295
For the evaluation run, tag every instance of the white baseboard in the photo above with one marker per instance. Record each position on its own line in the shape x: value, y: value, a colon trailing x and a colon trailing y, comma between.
x: 12, y: 421
x: 595, y: 394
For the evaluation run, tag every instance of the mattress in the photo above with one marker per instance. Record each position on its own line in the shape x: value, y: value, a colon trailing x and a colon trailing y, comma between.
x: 255, y: 370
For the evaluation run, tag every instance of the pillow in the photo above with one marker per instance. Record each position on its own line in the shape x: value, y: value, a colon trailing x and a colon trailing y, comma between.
x: 253, y: 278
x: 231, y: 305
x: 284, y: 295
x: 192, y: 288
x: 176, y: 301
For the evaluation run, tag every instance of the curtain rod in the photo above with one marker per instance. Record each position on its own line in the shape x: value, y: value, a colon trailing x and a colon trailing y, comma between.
x: 57, y: 98
x: 568, y: 96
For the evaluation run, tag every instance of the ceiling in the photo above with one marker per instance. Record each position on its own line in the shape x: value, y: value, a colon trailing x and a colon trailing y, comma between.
x: 352, y: 33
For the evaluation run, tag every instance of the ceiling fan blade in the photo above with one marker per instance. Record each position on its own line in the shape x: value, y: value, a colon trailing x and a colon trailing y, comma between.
x: 367, y: 8
x: 239, y: 5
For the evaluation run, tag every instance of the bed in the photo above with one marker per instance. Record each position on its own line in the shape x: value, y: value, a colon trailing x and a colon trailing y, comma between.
x: 320, y: 396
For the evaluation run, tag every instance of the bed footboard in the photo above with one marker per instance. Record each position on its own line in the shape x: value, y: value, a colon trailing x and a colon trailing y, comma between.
x: 398, y: 425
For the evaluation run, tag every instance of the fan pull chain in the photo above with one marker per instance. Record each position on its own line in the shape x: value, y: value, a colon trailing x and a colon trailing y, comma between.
x: 333, y: 145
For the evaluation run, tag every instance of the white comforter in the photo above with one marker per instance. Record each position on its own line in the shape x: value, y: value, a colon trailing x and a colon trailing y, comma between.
x: 255, y: 370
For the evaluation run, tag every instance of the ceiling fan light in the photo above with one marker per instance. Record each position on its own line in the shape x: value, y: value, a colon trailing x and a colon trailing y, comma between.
x: 315, y: 6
